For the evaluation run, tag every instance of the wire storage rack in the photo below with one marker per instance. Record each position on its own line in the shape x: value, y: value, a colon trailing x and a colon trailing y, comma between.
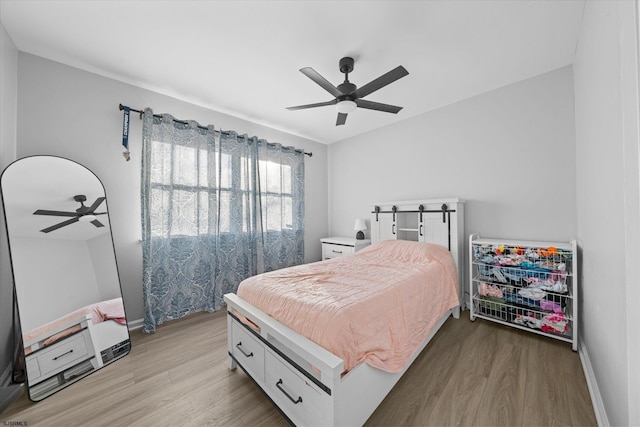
x: 529, y: 285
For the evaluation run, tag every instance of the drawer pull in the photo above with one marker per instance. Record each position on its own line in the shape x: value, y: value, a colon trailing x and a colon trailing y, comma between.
x: 336, y: 252
x: 242, y: 351
x: 63, y: 354
x: 295, y: 402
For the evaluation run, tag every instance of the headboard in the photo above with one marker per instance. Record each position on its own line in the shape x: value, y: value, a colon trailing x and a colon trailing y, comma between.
x: 439, y: 221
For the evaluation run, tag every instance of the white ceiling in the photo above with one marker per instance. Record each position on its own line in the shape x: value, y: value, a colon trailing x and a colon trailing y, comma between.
x: 242, y: 57
x: 49, y: 183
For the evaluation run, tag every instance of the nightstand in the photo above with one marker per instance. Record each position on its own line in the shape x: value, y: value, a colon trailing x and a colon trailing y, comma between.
x: 334, y: 247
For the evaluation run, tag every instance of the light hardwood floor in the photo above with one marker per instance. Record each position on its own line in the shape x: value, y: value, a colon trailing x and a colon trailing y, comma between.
x: 472, y: 373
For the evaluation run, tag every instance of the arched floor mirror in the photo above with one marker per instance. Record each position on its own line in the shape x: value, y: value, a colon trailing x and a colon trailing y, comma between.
x: 65, y: 273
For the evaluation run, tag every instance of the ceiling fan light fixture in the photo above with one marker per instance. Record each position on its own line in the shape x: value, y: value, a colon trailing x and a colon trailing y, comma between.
x: 87, y: 218
x: 346, y: 107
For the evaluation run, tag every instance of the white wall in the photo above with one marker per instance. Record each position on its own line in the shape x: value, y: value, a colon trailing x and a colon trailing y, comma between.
x: 509, y: 152
x: 72, y: 113
x: 606, y: 97
x: 104, y: 267
x: 8, y: 111
x: 53, y: 278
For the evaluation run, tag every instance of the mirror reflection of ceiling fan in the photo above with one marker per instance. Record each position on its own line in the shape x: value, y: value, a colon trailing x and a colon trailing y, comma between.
x: 348, y: 96
x: 83, y: 214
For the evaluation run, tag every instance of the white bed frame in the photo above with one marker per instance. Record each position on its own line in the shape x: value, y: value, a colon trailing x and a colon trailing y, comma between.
x: 303, y: 379
x: 52, y: 367
x: 45, y: 363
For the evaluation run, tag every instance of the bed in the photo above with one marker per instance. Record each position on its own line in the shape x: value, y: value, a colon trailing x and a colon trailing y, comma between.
x: 331, y: 366
x: 53, y: 331
x: 73, y: 345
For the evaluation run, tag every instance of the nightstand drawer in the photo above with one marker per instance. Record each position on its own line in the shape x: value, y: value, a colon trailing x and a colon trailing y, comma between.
x: 335, y: 247
x: 330, y: 250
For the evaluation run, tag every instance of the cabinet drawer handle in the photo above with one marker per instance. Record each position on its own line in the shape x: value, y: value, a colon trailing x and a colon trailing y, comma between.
x: 336, y: 252
x: 242, y: 351
x: 63, y: 354
x: 295, y: 402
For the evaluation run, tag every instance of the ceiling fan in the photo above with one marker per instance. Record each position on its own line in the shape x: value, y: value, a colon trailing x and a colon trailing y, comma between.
x: 347, y: 95
x: 83, y: 213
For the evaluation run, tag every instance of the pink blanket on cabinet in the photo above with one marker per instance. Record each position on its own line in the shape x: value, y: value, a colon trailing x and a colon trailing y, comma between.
x: 377, y: 305
x: 102, y: 311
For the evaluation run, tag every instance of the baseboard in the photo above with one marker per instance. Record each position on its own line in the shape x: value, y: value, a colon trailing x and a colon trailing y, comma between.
x: 592, y: 384
x: 8, y: 391
x: 135, y: 324
x: 8, y: 394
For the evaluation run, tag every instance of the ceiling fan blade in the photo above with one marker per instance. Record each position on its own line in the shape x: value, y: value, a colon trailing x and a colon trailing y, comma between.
x: 324, y: 83
x: 319, y: 104
x: 60, y: 225
x: 342, y: 118
x: 54, y: 213
x: 381, y: 81
x: 95, y: 204
x: 97, y: 223
x: 377, y: 106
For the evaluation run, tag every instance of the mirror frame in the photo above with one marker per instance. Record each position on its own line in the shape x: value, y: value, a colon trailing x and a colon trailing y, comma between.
x: 68, y: 374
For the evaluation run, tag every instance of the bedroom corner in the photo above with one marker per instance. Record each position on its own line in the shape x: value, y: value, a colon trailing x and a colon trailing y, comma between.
x: 8, y: 143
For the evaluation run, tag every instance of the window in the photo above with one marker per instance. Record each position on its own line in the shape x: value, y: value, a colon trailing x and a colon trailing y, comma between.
x: 190, y: 200
x: 216, y: 209
x: 276, y: 197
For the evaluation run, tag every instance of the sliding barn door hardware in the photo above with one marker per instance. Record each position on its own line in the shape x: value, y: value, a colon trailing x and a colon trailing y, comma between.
x: 444, y: 209
x: 394, y: 210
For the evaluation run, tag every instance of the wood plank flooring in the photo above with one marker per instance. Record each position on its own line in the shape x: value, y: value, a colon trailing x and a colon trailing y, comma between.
x: 472, y: 374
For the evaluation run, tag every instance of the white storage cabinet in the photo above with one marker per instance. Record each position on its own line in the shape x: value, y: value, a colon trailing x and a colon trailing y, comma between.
x: 529, y: 285
x: 420, y: 220
x: 438, y: 221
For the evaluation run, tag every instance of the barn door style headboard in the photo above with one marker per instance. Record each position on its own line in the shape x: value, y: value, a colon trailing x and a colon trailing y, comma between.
x: 439, y: 221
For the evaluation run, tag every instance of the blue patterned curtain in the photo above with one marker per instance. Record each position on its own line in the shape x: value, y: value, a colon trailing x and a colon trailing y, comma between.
x: 216, y: 209
x: 281, y: 173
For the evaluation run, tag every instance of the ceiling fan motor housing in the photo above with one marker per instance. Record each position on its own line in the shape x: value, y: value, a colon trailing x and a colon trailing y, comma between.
x: 347, y: 88
x: 346, y: 65
x: 81, y: 198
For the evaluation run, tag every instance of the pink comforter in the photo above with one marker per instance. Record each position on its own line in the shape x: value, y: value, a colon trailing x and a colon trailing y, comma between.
x: 376, y: 306
x: 104, y: 310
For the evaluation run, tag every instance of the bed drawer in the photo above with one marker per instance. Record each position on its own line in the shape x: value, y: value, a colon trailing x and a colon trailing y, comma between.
x: 58, y: 357
x: 248, y: 351
x: 295, y: 394
x: 330, y: 250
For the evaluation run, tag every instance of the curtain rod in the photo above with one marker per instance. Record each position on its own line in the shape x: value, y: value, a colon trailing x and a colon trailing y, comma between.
x: 122, y: 107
